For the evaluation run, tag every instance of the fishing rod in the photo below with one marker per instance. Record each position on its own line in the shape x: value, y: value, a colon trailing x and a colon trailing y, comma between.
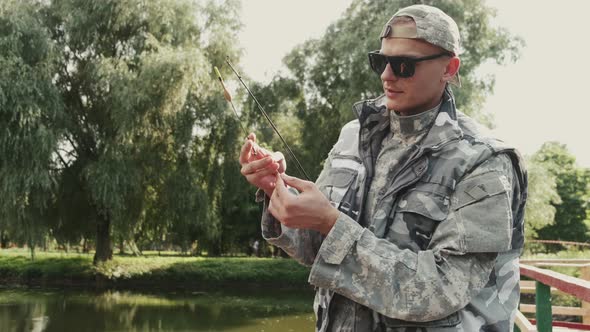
x: 228, y: 97
x: 276, y: 130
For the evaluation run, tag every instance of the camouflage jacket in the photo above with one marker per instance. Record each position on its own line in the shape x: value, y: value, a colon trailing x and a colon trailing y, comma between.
x: 441, y: 251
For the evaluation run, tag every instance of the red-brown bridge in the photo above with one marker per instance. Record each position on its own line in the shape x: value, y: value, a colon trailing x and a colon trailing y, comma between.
x: 545, y: 282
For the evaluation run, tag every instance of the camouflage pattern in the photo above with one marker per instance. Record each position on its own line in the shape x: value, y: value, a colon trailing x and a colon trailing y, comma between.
x: 440, y: 252
x: 405, y: 131
x: 430, y: 24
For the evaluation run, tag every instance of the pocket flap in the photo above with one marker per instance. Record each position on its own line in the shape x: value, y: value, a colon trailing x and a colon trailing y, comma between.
x: 432, y: 206
x: 341, y: 177
x: 479, y: 188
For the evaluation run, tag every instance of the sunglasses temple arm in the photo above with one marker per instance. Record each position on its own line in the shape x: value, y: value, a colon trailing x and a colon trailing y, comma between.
x: 291, y: 153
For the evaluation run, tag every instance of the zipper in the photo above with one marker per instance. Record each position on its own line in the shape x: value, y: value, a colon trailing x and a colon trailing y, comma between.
x: 394, y: 189
x: 366, y: 181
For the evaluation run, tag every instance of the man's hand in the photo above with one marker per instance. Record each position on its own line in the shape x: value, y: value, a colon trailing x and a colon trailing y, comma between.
x: 261, y: 166
x: 310, y: 209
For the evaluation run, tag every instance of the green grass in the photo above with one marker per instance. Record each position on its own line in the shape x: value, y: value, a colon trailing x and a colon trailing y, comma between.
x: 171, y: 270
x: 182, y: 271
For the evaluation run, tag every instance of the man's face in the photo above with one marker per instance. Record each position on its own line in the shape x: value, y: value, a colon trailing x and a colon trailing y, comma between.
x: 423, y: 90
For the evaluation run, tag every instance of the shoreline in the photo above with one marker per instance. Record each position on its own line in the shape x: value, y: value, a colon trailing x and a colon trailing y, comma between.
x: 132, y: 285
x: 153, y: 273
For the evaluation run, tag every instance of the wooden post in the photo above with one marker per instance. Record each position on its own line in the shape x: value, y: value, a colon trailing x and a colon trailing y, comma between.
x: 543, y: 306
x: 585, y: 274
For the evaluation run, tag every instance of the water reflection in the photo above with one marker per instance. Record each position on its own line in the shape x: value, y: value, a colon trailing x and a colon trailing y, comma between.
x: 55, y: 310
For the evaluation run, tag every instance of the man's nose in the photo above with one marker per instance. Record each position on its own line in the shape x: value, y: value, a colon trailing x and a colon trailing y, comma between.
x: 387, y: 74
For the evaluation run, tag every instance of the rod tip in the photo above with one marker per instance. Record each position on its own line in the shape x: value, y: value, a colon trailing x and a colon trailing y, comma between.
x: 217, y: 72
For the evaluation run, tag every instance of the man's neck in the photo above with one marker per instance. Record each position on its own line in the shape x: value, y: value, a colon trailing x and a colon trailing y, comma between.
x: 420, y: 108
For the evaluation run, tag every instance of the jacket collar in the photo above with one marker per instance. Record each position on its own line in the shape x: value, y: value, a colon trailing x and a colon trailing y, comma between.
x: 374, y: 118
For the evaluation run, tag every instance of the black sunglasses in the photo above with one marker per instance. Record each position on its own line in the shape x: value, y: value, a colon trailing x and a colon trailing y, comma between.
x: 402, y: 66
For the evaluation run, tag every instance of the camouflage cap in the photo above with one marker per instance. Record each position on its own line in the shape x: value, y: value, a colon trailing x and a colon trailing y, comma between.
x: 430, y: 24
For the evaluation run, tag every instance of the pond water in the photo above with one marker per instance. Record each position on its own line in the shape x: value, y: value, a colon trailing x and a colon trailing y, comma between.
x: 26, y: 309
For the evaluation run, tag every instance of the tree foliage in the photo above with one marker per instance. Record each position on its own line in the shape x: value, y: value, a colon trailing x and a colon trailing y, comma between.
x: 128, y: 80
x: 572, y: 187
x: 332, y: 72
x: 542, y: 198
x: 30, y: 117
x: 115, y: 129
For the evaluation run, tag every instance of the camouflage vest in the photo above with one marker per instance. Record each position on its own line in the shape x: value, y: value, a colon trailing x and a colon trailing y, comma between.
x: 452, y: 149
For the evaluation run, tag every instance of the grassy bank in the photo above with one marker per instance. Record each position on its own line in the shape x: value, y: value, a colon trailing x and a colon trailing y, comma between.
x: 168, y: 270
x: 62, y: 269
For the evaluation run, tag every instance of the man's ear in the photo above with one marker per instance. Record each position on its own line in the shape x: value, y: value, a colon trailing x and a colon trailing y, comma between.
x: 451, y: 69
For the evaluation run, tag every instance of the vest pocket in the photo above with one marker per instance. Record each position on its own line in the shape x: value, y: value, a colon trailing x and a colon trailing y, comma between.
x: 336, y: 183
x: 416, y: 217
x: 427, y: 204
x: 484, y: 212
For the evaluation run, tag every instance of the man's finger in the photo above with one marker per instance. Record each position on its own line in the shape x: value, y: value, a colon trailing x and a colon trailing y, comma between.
x: 252, y: 137
x: 256, y: 166
x: 276, y: 198
x: 262, y: 152
x: 280, y: 188
x: 300, y: 185
x: 257, y: 176
x: 245, y: 152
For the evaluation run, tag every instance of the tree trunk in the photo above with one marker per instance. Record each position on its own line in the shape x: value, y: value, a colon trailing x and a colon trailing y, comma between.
x: 3, y: 240
x: 31, y: 245
x: 85, y: 245
x: 133, y: 247
x: 215, y: 249
x: 121, y: 246
x: 104, y: 252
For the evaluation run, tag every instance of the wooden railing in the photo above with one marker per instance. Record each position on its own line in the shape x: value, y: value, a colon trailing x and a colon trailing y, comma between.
x: 547, y: 281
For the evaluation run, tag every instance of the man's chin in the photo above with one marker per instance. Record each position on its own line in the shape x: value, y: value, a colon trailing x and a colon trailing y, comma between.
x: 392, y: 104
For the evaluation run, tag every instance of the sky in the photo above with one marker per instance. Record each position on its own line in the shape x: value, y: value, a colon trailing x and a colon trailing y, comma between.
x: 539, y: 98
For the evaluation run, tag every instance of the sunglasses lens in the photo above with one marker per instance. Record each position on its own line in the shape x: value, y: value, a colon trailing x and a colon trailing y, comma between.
x: 401, y: 67
x: 378, y: 62
x: 404, y: 68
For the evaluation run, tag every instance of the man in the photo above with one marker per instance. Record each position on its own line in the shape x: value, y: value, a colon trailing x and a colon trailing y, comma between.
x: 416, y: 221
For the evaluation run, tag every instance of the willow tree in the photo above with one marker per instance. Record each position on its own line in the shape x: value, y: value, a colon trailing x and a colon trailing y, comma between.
x: 130, y: 79
x: 30, y: 113
x: 332, y: 72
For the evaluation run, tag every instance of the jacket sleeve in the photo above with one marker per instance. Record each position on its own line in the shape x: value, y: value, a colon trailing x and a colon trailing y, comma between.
x: 301, y: 244
x: 433, y: 283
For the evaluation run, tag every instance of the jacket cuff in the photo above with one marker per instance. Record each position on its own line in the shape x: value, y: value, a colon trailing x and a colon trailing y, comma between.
x: 340, y: 239
x: 272, y: 229
x: 260, y: 195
